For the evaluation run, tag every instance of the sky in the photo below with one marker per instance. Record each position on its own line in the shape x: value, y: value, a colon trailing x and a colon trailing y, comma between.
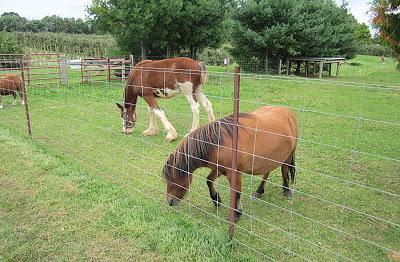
x: 37, y: 9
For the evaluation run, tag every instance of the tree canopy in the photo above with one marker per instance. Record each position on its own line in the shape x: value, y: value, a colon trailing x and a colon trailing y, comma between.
x: 386, y: 18
x: 159, y: 26
x: 282, y: 28
x: 12, y: 22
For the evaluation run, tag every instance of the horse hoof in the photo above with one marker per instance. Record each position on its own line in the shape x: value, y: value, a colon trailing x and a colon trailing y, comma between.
x: 287, y: 193
x: 150, y: 132
x: 171, y: 137
x: 216, y: 199
x: 238, y: 214
x: 256, y: 195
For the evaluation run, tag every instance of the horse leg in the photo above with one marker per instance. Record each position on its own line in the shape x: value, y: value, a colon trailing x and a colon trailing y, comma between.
x: 238, y: 204
x: 1, y: 103
x: 285, y: 179
x: 152, y: 102
x: 213, y: 192
x: 195, y: 111
x: 206, y: 104
x: 153, y: 128
x: 22, y: 98
x: 261, y: 187
x: 15, y: 98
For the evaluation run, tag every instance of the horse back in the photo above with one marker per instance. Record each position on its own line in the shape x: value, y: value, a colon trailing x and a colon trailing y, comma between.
x: 165, y: 73
x: 267, y: 138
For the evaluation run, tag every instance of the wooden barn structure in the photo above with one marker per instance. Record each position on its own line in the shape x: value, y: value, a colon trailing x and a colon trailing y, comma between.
x: 315, y: 63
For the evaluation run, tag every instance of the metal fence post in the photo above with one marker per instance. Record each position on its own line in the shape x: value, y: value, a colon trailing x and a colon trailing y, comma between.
x: 25, y: 97
x: 234, y: 151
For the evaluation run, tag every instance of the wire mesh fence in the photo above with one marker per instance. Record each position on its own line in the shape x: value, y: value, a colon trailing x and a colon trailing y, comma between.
x: 345, y: 200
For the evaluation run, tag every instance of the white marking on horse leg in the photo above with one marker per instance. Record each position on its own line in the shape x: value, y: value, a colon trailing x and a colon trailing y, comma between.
x: 22, y: 102
x: 186, y: 87
x: 206, y: 104
x: 195, y: 111
x: 15, y: 101
x: 153, y: 128
x: 172, y: 134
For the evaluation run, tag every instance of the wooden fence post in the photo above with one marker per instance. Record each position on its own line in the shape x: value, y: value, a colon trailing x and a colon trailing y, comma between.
x: 63, y: 70
x: 25, y: 97
x: 287, y: 66
x: 321, y: 69
x: 233, y: 189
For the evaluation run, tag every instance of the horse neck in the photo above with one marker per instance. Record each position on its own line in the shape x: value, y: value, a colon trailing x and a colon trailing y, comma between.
x: 130, y: 97
x: 189, y: 161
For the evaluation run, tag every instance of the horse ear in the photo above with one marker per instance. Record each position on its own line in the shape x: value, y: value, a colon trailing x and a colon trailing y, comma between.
x: 120, y: 106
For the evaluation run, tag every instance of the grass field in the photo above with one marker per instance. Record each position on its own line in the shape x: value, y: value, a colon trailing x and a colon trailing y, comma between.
x: 80, y: 190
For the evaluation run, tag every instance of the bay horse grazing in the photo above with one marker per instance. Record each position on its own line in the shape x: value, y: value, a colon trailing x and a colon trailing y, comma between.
x: 267, y: 139
x: 164, y: 79
x: 11, y: 85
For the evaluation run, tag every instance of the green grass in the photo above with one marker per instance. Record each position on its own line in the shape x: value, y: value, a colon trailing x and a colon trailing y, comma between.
x: 80, y: 190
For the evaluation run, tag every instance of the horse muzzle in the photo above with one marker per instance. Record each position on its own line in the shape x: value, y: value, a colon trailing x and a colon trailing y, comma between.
x: 172, y: 201
x: 127, y: 131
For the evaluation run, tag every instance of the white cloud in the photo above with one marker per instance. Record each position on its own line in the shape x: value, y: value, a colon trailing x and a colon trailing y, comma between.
x: 359, y: 9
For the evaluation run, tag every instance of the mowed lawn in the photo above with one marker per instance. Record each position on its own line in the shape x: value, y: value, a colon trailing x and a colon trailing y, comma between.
x: 80, y: 190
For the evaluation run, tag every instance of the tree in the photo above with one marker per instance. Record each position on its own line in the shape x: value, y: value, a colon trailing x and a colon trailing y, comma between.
x: 9, y: 45
x: 154, y: 26
x: 363, y: 34
x: 11, y: 22
x: 386, y: 18
x: 282, y: 28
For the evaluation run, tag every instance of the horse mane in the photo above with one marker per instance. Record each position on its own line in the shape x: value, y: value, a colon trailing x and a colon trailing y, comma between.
x: 196, y: 148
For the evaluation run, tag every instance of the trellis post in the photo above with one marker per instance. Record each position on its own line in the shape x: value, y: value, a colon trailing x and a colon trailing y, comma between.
x: 25, y: 97
x: 233, y: 189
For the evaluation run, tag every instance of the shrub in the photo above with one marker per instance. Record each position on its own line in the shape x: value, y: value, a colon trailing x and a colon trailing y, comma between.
x: 9, y: 45
x: 374, y: 50
x: 216, y: 56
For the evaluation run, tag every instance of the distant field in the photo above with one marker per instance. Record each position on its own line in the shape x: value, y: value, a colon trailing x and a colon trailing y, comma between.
x: 80, y: 190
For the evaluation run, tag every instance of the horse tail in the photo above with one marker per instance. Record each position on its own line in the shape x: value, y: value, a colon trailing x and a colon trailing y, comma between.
x: 292, y: 168
x: 203, y: 73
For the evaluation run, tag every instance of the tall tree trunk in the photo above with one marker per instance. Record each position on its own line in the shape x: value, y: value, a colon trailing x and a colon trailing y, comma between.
x: 298, y: 68
x: 143, y: 51
x: 168, y: 52
x: 195, y: 53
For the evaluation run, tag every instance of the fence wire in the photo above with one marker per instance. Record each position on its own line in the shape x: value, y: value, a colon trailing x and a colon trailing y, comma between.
x: 344, y: 203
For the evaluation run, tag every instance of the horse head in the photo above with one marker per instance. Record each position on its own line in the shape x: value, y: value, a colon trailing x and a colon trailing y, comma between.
x: 128, y: 116
x: 177, y: 179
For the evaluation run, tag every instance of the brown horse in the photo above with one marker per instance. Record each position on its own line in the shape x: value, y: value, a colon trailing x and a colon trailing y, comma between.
x: 267, y: 139
x: 10, y: 85
x: 164, y: 79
